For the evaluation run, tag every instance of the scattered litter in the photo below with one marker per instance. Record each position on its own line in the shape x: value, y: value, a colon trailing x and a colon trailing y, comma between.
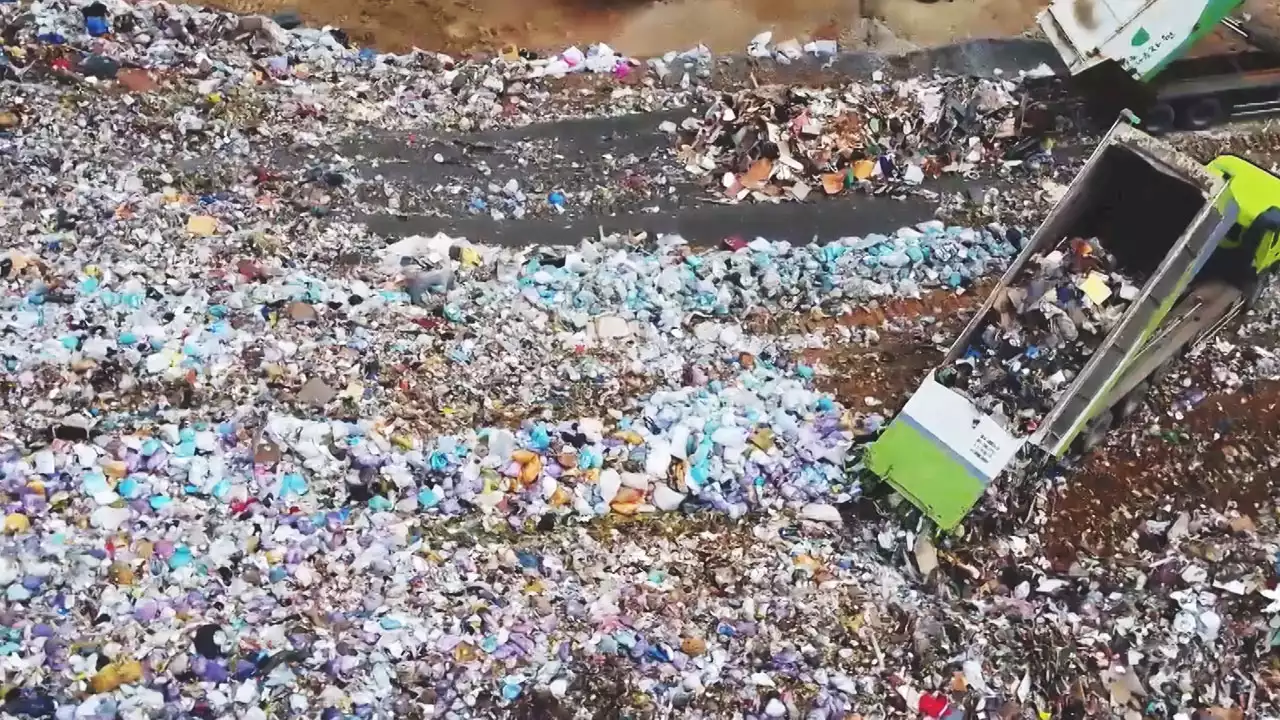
x: 260, y: 461
x: 1042, y: 331
x: 879, y: 136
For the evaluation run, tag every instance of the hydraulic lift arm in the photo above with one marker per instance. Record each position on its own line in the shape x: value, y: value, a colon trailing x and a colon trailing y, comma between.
x: 1258, y: 241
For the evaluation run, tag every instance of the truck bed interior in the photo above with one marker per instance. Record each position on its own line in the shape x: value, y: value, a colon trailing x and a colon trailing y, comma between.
x: 1137, y: 210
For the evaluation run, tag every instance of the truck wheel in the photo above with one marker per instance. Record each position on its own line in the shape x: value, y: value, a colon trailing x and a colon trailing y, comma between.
x: 1094, y: 433
x: 1204, y: 113
x: 1132, y: 402
x: 1159, y: 119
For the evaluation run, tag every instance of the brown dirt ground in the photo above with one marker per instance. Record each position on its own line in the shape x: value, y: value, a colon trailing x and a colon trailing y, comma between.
x: 889, y: 370
x: 647, y: 28
x: 1216, y: 457
x: 1265, y: 15
x: 643, y: 28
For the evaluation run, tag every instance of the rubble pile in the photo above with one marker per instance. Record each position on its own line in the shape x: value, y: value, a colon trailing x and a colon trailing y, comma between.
x: 1043, y: 328
x: 778, y: 143
x: 257, y: 461
x: 222, y: 64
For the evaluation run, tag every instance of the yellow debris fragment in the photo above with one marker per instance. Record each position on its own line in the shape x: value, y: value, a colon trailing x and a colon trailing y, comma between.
x: 122, y: 672
x: 202, y: 225
x: 16, y: 523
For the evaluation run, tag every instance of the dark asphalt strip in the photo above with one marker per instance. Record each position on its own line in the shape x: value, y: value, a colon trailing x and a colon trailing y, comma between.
x: 704, y: 225
x: 821, y: 219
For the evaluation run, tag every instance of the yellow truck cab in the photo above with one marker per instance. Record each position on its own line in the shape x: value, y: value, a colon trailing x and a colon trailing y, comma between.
x: 1253, y: 239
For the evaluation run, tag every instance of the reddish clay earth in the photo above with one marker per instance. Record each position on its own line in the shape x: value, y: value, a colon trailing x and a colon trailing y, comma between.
x: 647, y: 28
x: 643, y: 28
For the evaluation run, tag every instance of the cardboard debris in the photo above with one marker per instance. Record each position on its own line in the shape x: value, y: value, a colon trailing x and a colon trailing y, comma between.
x: 202, y: 225
x: 896, y: 138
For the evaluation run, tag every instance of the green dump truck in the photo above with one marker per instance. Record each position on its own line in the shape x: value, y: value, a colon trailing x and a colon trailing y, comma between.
x: 1205, y: 239
x: 1143, y: 36
x: 1151, y: 41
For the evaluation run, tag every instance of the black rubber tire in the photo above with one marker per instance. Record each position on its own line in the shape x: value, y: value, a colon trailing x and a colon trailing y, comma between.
x: 1159, y: 119
x: 1203, y: 113
x: 1132, y: 403
x: 1094, y: 433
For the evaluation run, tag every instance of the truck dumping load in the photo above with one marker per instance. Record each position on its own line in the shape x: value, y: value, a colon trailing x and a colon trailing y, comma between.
x: 1040, y: 332
x: 1063, y: 301
x: 1063, y: 336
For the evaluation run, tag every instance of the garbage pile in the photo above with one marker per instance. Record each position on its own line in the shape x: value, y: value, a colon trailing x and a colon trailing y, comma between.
x: 259, y: 462
x: 215, y: 58
x: 228, y: 489
x: 778, y: 143
x: 217, y: 400
x: 787, y: 51
x: 250, y: 479
x: 1042, y: 330
x: 248, y: 309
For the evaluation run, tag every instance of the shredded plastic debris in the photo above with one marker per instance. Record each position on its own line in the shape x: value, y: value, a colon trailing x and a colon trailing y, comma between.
x: 1044, y: 328
x: 777, y: 143
x: 258, y: 461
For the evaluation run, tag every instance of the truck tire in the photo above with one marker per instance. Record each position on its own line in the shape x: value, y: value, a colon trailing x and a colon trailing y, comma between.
x: 1159, y: 119
x: 1203, y: 113
x: 1131, y: 403
x: 1094, y: 433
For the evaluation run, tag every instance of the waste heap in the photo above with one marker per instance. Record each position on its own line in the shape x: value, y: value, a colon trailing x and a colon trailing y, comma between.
x: 207, y: 427
x: 1041, y: 331
x: 228, y: 491
x: 257, y: 462
x: 778, y: 143
x: 317, y: 79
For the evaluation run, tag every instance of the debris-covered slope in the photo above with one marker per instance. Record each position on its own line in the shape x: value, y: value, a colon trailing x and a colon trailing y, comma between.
x: 261, y: 460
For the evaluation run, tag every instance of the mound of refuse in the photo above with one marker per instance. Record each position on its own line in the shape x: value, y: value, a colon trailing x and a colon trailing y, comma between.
x: 260, y: 462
